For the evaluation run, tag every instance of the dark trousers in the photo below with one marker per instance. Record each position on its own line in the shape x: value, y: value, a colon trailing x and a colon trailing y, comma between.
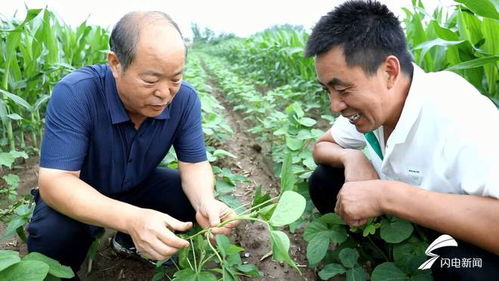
x: 325, y: 183
x: 67, y: 240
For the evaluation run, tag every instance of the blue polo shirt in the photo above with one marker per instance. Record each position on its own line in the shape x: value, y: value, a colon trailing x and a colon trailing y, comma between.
x: 87, y: 129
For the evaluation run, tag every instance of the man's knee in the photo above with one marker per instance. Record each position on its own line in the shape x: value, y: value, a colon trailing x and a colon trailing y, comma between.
x: 58, y: 236
x: 324, y: 184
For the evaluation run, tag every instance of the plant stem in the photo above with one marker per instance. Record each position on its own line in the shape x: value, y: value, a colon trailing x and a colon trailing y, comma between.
x: 377, y: 248
x: 194, y: 256
x: 213, y: 248
x: 238, y: 218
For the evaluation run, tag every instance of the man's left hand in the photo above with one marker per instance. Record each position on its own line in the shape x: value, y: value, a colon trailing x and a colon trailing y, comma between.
x: 360, y: 200
x: 212, y: 212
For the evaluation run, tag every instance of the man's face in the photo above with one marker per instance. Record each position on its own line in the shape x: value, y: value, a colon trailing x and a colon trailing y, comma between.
x: 151, y: 81
x: 360, y: 98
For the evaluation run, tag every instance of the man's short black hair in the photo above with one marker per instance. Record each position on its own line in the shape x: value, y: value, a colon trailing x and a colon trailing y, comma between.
x: 367, y: 31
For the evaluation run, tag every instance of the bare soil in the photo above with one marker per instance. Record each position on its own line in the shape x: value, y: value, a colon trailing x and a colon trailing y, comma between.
x: 253, y: 162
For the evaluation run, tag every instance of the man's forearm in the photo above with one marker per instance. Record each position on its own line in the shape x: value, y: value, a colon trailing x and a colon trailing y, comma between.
x: 72, y: 197
x: 197, y: 182
x: 467, y: 217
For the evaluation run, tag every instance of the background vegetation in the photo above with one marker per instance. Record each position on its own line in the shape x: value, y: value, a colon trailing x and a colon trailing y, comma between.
x: 273, y: 86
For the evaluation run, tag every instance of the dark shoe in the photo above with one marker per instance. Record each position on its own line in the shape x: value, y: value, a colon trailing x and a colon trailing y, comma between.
x: 123, y: 245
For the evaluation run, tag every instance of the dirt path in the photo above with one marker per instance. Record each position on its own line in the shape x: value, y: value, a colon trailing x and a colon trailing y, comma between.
x: 254, y: 163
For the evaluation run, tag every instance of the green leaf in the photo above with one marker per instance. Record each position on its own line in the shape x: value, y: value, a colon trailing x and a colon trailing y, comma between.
x: 330, y: 223
x: 7, y: 159
x: 349, y: 257
x: 289, y: 208
x: 25, y: 271
x: 317, y: 248
x: 288, y: 179
x: 223, y: 187
x: 426, y: 46
x: 294, y: 144
x: 260, y: 198
x: 11, y: 180
x: 13, y: 225
x: 356, y: 274
x: 331, y: 270
x: 190, y: 275
x: 250, y: 270
x: 307, y: 122
x: 17, y: 154
x: 8, y: 258
x: 395, y: 230
x: 16, y: 99
x: 14, y: 116
x: 369, y: 229
x: 55, y: 268
x: 280, y: 247
x: 484, y: 8
x: 222, y: 153
x: 332, y: 219
x: 388, y: 271
x: 474, y: 63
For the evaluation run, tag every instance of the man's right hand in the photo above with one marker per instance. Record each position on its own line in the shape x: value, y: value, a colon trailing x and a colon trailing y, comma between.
x: 357, y: 166
x: 152, y: 233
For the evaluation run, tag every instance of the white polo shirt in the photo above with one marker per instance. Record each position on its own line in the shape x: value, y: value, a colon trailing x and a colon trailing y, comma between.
x: 446, y: 140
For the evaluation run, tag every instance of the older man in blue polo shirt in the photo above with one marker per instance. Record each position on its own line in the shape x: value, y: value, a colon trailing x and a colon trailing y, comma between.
x: 107, y: 129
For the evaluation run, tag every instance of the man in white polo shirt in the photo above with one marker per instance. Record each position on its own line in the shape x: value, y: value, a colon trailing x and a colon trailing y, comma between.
x: 433, y: 139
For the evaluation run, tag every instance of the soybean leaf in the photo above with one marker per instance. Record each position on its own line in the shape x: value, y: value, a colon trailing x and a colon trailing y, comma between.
x: 349, y: 257
x: 330, y: 223
x: 307, y: 122
x: 13, y: 226
x: 25, y: 271
x: 6, y: 159
x: 313, y: 229
x: 260, y: 198
x: 421, y: 275
x: 17, y: 154
x: 280, y: 247
x: 356, y: 274
x: 221, y: 153
x: 317, y: 248
x: 55, y: 268
x: 395, y: 230
x: 294, y: 144
x: 25, y: 210
x: 332, y: 219
x: 8, y: 258
x: 250, y: 269
x: 267, y: 211
x: 289, y: 208
x: 190, y: 275
x: 11, y: 180
x: 388, y: 271
x: 410, y: 255
x: 331, y: 270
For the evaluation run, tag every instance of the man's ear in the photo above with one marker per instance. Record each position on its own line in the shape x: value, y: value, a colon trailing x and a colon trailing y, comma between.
x: 391, y: 69
x: 114, y: 64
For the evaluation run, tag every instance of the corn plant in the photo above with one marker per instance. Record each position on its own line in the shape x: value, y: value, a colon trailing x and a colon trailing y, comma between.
x: 36, y: 53
x: 464, y: 40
